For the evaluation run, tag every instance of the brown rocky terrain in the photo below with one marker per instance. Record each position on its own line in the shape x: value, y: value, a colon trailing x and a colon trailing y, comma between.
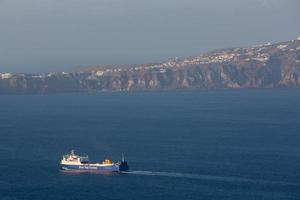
x: 262, y: 66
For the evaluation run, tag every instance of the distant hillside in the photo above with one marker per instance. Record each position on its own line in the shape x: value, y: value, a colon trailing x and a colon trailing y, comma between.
x: 262, y: 66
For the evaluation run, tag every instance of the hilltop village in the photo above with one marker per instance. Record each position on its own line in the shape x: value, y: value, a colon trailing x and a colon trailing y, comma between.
x: 266, y: 65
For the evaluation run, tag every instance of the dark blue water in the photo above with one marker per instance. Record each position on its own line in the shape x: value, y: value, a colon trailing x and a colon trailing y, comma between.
x: 232, y: 144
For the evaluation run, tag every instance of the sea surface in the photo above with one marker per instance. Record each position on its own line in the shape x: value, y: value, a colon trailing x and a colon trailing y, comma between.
x: 222, y: 144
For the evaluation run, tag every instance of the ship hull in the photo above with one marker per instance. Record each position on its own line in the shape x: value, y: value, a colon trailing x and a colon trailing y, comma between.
x: 90, y: 168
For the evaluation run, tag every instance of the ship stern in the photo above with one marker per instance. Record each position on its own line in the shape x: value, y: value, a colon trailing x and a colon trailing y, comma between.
x: 123, y: 166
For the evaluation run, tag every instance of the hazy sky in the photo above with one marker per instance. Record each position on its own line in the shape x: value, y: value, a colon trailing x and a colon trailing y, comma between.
x: 51, y: 35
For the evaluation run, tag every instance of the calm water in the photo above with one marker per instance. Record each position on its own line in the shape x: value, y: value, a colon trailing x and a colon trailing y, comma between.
x: 180, y: 145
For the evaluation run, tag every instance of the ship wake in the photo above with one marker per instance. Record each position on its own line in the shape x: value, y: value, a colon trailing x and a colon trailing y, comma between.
x: 212, y: 178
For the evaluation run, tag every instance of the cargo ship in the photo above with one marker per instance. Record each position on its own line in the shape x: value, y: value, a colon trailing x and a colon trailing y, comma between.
x: 75, y: 163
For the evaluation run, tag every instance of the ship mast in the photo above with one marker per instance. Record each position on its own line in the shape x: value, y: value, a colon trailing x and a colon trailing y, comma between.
x: 123, y: 159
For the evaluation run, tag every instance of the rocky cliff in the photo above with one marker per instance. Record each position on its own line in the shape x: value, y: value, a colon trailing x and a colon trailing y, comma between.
x: 262, y: 66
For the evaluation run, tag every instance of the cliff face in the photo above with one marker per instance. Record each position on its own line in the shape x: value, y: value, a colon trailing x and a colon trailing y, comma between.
x: 263, y: 66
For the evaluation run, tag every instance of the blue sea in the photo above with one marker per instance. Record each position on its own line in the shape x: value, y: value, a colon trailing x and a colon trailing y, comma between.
x: 221, y: 144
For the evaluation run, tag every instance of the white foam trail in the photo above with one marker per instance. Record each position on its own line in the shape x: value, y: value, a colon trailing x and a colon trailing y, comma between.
x: 211, y: 178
